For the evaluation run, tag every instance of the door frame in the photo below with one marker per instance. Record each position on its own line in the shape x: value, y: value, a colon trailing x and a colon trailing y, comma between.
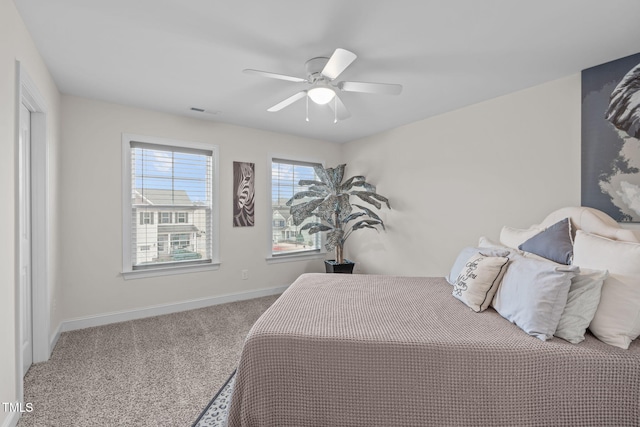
x: 25, y: 238
x: 29, y: 95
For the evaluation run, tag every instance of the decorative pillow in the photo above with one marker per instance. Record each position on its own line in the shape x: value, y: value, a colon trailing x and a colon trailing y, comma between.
x: 479, y: 280
x: 554, y: 243
x: 582, y: 302
x: 514, y: 237
x: 533, y: 294
x: 617, y: 319
x: 464, y: 256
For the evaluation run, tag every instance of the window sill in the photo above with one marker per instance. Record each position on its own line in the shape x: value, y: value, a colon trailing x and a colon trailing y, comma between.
x: 295, y: 257
x: 168, y: 271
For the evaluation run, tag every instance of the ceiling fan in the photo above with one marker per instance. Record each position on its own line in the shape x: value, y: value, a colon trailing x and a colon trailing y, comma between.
x: 321, y: 75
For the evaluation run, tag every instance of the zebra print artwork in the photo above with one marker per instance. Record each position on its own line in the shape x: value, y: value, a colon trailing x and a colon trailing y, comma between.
x: 243, y: 192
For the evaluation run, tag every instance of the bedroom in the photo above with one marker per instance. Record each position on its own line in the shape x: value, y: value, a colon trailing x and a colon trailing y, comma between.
x: 481, y: 155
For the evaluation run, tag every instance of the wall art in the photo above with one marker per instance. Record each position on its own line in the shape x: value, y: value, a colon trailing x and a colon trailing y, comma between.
x: 243, y: 194
x: 611, y: 138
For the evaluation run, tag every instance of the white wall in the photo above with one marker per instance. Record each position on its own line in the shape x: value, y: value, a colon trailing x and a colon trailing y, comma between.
x: 91, y: 167
x: 460, y: 175
x: 16, y: 44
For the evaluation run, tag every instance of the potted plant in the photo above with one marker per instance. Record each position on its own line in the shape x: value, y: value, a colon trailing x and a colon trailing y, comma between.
x: 328, y: 202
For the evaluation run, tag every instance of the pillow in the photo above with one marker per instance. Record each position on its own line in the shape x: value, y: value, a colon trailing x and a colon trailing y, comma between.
x: 582, y: 302
x: 554, y: 243
x: 479, y: 280
x: 514, y: 237
x: 533, y: 294
x: 617, y: 319
x: 464, y: 256
x: 485, y: 242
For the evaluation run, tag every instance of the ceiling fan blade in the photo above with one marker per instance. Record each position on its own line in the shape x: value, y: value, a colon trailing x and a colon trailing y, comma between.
x: 383, y: 88
x: 338, y: 62
x: 275, y: 76
x: 339, y: 108
x: 290, y: 100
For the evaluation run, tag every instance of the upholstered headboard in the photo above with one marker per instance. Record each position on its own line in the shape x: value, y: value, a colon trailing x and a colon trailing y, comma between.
x: 592, y: 221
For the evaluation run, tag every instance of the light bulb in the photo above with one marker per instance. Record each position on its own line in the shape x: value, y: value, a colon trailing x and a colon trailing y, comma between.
x: 321, y: 94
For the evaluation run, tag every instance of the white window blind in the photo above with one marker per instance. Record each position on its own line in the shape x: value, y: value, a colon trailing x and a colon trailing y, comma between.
x: 171, y: 205
x: 286, y: 237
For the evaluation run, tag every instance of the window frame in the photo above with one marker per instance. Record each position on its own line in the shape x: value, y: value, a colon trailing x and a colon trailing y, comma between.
x: 320, y: 253
x: 128, y: 271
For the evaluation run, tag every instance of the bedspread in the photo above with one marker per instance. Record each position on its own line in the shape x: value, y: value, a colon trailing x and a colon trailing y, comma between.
x: 367, y: 350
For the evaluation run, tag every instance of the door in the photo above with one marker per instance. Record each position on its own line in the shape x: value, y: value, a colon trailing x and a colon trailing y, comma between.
x: 24, y: 172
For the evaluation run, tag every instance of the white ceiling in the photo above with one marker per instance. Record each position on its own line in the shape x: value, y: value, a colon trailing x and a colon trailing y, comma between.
x: 171, y: 55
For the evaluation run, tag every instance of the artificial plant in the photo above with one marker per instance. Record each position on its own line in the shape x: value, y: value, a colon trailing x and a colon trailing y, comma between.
x: 327, y: 201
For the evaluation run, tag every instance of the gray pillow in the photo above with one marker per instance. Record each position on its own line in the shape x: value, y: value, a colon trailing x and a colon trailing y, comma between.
x: 554, y: 243
x: 582, y: 303
x: 533, y: 295
x: 467, y: 253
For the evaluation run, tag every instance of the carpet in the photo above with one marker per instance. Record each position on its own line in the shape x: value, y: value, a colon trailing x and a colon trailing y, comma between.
x: 215, y: 414
x: 152, y: 372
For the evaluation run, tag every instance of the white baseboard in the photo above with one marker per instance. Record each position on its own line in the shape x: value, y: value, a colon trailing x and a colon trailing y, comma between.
x: 11, y: 420
x: 54, y: 339
x: 157, y: 310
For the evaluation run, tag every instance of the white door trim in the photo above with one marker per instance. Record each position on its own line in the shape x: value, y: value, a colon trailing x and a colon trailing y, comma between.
x: 24, y: 229
x: 29, y: 95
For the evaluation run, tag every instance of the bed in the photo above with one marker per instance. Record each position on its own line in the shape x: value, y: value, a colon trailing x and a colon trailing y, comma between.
x: 370, y: 350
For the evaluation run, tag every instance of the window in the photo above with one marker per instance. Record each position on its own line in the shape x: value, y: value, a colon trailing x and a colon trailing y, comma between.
x: 286, y: 237
x: 182, y: 217
x: 181, y: 241
x: 170, y: 202
x: 164, y: 218
x: 146, y: 218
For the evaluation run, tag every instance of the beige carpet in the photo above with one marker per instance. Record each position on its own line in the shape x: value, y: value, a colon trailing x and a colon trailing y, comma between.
x: 159, y: 371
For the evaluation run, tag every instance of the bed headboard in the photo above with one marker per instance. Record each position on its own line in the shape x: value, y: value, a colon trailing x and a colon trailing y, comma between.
x: 592, y: 221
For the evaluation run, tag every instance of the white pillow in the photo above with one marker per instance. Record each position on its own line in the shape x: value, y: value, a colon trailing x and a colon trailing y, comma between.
x: 485, y: 242
x: 617, y: 319
x: 464, y: 256
x: 533, y: 295
x: 478, y: 281
x: 514, y: 237
x: 582, y: 302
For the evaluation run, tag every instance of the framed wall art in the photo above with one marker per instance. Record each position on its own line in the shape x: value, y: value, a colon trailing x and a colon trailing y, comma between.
x: 243, y: 194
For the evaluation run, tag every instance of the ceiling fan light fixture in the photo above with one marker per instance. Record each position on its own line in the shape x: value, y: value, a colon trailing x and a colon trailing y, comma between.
x: 321, y: 94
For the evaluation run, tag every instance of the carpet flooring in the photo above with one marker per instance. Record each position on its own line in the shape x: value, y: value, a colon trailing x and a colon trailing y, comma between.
x: 158, y: 371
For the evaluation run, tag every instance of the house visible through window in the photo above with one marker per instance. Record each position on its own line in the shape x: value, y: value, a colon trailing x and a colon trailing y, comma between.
x: 287, y: 239
x: 171, y: 204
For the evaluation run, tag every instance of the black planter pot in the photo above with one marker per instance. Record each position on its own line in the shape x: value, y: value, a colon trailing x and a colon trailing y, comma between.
x: 331, y: 266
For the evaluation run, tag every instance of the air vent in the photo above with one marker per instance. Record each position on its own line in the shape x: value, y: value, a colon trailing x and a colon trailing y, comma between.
x: 203, y: 111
